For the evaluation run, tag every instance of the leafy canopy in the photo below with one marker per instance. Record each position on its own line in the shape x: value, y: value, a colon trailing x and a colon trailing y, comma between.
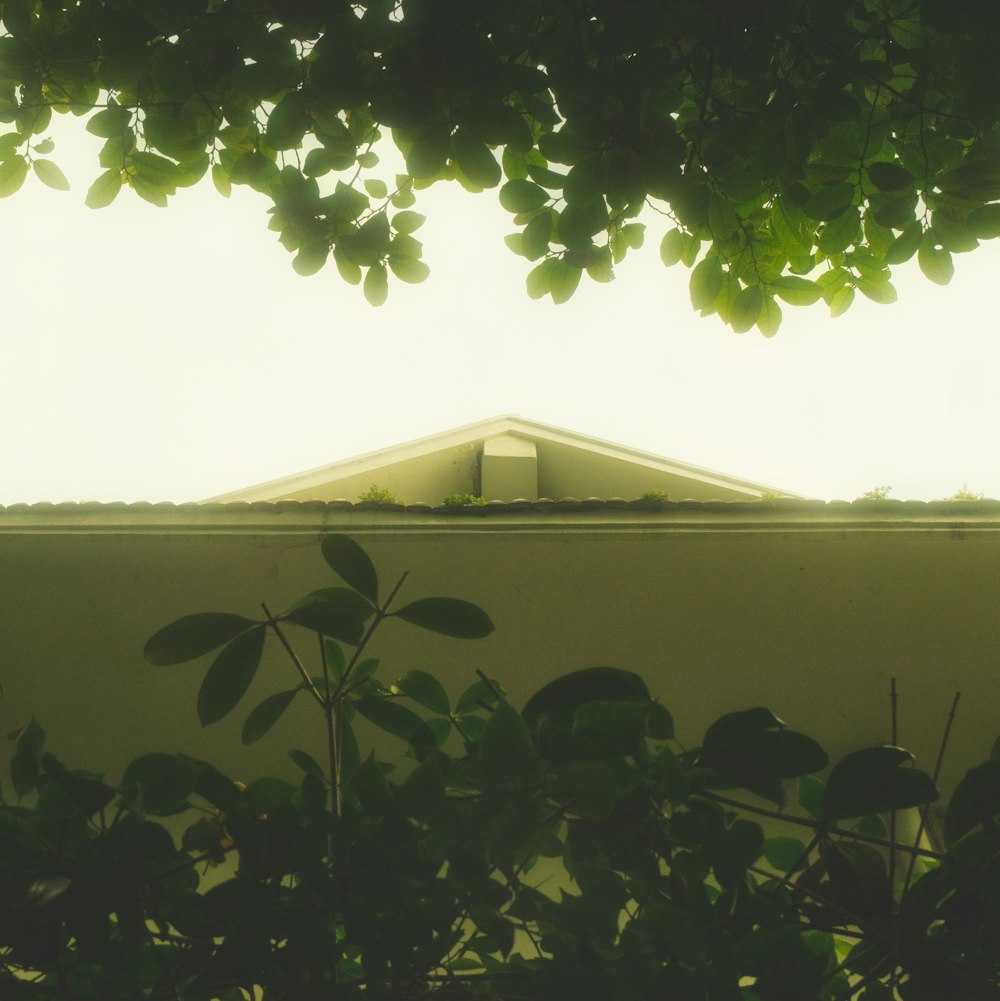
x: 798, y: 148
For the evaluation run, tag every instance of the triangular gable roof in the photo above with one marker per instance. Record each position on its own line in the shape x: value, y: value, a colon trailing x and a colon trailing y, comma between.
x: 513, y: 458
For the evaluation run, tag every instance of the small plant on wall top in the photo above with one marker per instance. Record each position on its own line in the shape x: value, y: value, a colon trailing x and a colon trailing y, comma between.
x: 378, y: 495
x: 455, y: 847
x: 461, y: 500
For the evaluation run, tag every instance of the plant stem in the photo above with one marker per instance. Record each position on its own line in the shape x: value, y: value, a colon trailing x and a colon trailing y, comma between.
x: 816, y: 825
x: 380, y: 614
x: 307, y: 681
x: 331, y: 711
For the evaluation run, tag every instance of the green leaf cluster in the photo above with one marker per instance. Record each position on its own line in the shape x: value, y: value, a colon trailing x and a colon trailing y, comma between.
x: 800, y: 150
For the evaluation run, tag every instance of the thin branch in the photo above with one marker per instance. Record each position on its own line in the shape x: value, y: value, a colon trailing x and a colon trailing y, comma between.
x: 380, y: 614
x: 815, y: 825
x: 307, y: 681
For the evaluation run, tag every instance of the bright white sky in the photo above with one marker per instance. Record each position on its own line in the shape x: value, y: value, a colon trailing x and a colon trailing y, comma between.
x: 173, y: 354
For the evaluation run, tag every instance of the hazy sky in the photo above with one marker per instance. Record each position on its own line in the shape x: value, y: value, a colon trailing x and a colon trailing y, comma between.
x: 173, y: 354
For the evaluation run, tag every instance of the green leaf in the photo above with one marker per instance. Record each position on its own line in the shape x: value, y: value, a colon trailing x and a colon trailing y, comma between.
x: 563, y: 280
x: 475, y: 159
x: 935, y: 262
x: 882, y: 292
x: 375, y: 187
x: 746, y: 308
x: 984, y: 222
x: 346, y: 558
x: 840, y: 233
x: 429, y: 154
x: 841, y: 301
x: 349, y: 271
x: 536, y: 236
x: 390, y: 716
x: 408, y: 222
x: 706, y: 282
x: 976, y: 800
x: 50, y: 174
x: 229, y: 675
x: 408, y: 269
x: 376, y: 285
x: 475, y: 696
x: 288, y: 122
x: 12, y: 175
x: 306, y: 762
x: 733, y: 727
x: 905, y: 245
x: 332, y: 611
x: 27, y: 756
x: 591, y: 684
x: 672, y: 247
x: 194, y: 635
x: 769, y: 320
x: 875, y: 781
x: 311, y: 258
x: 783, y: 852
x: 506, y: 748
x: 722, y: 219
x: 159, y: 784
x: 220, y: 178
x: 523, y: 196
x: 266, y: 714
x: 828, y: 203
x: 537, y: 282
x: 425, y: 689
x: 110, y: 122
x: 796, y: 291
x: 890, y: 176
x: 448, y: 616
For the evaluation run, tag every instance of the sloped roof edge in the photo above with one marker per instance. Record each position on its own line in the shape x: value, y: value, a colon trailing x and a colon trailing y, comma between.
x: 370, y: 462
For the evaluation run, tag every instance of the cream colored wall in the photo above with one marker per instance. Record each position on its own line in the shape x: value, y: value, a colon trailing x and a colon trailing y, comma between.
x: 811, y: 621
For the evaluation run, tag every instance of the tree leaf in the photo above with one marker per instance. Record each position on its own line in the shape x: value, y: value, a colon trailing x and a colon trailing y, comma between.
x: 563, y: 280
x: 475, y: 158
x: 905, y: 245
x: 828, y: 203
x: 705, y: 283
x: 332, y: 611
x: 288, y: 122
x: 12, y: 175
x: 408, y: 222
x: 672, y: 247
x: 408, y: 269
x: 841, y: 301
x: 769, y: 320
x: 229, y: 675
x: 976, y: 800
x: 796, y: 291
x: 875, y: 781
x: 890, y: 176
x: 50, y: 174
x: 425, y: 689
x: 935, y: 262
x: 746, y: 308
x: 159, y: 784
x: 448, y: 616
x: 390, y: 716
x: 840, y: 233
x: 376, y: 285
x: 266, y: 714
x: 506, y: 748
x: 560, y: 698
x: 346, y: 558
x: 194, y: 635
x: 882, y: 292
x: 27, y: 757
x: 523, y: 196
